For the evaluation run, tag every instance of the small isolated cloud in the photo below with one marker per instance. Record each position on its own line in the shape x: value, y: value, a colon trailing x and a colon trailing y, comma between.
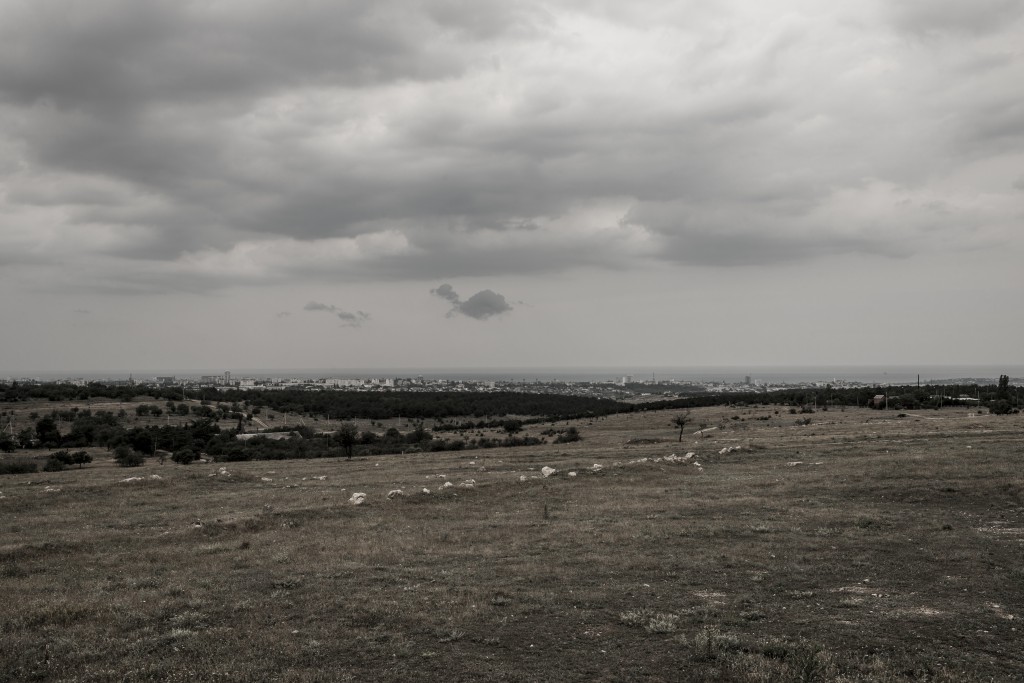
x: 480, y: 306
x: 347, y: 319
x: 445, y: 291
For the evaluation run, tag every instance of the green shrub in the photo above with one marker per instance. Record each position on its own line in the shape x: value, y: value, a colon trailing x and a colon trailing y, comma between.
x: 128, y: 457
x: 570, y: 435
x: 54, y: 464
x: 184, y: 456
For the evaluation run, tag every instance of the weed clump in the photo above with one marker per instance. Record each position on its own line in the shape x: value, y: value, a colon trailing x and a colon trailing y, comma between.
x: 650, y: 621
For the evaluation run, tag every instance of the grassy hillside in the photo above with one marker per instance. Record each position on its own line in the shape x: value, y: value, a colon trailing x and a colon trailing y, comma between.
x: 891, y: 552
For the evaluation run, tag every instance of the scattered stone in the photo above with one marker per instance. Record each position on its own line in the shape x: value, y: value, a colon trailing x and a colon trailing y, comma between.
x: 794, y: 463
x: 572, y: 474
x: 322, y: 477
x: 468, y: 484
x: 395, y: 493
x: 426, y: 491
x: 266, y: 479
x: 51, y: 489
x: 522, y: 477
x: 131, y: 479
x: 596, y: 468
x: 155, y: 476
x: 548, y: 471
x: 447, y: 485
x: 357, y: 498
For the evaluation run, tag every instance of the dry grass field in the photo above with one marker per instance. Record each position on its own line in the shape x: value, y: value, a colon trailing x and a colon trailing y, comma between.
x: 860, y: 547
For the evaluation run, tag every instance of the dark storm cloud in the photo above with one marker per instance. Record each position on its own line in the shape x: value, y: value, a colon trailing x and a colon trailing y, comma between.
x: 113, y: 54
x: 482, y: 305
x: 252, y: 143
x: 157, y: 95
x: 347, y: 319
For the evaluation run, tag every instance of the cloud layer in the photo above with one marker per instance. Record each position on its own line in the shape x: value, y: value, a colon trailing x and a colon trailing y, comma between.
x: 154, y: 146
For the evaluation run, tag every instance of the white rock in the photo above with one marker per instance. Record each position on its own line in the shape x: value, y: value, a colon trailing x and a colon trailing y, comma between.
x: 596, y: 468
x: 794, y: 463
x: 394, y: 493
x: 468, y: 484
x: 266, y: 479
x: 548, y: 471
x: 155, y: 476
x: 322, y: 477
x: 426, y: 491
x: 447, y: 485
x: 131, y: 479
x: 357, y: 498
x: 522, y: 477
x: 572, y: 474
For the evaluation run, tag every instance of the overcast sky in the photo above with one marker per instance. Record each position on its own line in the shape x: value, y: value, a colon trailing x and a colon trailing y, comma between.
x: 234, y: 184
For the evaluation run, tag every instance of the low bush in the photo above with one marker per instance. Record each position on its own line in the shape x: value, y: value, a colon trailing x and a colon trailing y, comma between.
x: 128, y: 457
x: 20, y: 466
x: 54, y: 464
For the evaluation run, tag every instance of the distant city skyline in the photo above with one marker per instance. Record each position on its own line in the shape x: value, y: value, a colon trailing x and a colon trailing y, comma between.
x: 732, y: 375
x: 531, y: 184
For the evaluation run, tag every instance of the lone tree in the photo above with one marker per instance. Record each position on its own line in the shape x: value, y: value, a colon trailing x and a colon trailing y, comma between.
x: 680, y: 421
x: 347, y: 434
